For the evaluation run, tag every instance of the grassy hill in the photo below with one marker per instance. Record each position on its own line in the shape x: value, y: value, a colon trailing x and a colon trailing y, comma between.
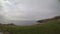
x: 52, y: 27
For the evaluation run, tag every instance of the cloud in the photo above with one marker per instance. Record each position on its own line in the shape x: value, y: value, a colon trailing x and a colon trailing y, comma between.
x: 30, y: 9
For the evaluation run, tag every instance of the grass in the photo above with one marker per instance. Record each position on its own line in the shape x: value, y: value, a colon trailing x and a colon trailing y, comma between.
x: 53, y: 27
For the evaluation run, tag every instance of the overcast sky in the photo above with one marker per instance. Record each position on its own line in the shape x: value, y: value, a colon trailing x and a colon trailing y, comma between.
x: 28, y: 9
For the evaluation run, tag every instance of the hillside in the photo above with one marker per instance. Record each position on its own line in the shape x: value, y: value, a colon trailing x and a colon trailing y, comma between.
x: 52, y: 27
x: 49, y: 19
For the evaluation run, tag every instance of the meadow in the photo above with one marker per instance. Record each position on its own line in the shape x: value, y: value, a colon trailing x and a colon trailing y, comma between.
x: 52, y: 27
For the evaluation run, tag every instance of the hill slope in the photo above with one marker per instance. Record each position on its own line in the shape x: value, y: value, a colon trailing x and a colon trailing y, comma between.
x: 52, y: 27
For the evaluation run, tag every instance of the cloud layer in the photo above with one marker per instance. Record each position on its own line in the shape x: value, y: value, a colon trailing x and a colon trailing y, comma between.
x: 29, y: 9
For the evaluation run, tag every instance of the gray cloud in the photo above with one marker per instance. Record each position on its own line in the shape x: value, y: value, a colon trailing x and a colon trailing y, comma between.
x: 30, y: 9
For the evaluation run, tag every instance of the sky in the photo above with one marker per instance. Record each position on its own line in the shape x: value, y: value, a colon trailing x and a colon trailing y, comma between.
x: 28, y: 9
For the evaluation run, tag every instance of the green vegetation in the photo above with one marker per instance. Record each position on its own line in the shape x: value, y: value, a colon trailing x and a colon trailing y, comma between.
x: 52, y: 27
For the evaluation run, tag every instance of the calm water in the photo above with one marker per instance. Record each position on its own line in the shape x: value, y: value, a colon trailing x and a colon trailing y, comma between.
x: 22, y: 23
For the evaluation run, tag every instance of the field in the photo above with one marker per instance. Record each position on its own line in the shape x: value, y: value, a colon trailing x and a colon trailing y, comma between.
x: 52, y: 27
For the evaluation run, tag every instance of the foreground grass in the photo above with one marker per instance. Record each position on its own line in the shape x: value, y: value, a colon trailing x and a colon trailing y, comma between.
x: 53, y: 27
